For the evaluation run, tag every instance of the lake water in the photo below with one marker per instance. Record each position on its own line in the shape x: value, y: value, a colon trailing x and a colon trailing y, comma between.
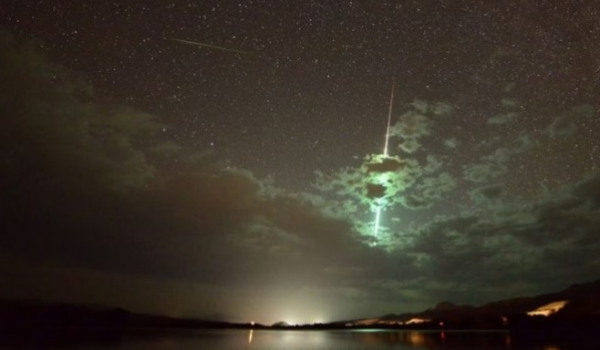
x: 307, y: 340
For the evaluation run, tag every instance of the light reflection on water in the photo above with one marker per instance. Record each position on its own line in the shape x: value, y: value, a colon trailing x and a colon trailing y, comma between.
x: 308, y: 340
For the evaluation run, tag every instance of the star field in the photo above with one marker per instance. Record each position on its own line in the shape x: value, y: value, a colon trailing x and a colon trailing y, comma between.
x: 314, y: 81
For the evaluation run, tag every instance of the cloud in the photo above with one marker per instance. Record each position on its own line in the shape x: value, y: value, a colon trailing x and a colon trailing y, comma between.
x: 410, y: 145
x: 417, y: 123
x: 589, y: 189
x: 378, y: 177
x: 508, y: 102
x: 375, y: 191
x: 492, y: 250
x: 387, y: 164
x: 432, y: 108
x: 430, y: 190
x: 487, y: 195
x: 497, y: 163
x: 566, y: 123
x: 481, y: 173
x: 416, y: 202
x: 502, y: 118
x: 452, y: 142
x: 97, y: 187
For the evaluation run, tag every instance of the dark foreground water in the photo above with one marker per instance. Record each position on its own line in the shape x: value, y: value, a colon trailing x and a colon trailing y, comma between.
x: 305, y: 340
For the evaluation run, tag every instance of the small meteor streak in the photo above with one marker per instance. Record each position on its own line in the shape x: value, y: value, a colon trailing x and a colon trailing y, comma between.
x: 208, y: 46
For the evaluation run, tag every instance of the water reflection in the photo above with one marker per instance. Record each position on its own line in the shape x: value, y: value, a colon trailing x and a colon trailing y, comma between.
x: 385, y: 339
x: 306, y: 340
x: 428, y: 339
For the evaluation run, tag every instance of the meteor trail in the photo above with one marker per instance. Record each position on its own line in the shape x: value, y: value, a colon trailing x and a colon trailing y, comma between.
x: 385, y: 153
x: 377, y: 217
x: 387, y: 132
x: 208, y: 46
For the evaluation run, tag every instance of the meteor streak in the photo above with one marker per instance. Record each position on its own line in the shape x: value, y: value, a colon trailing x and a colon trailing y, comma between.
x: 385, y: 153
x: 387, y: 131
x: 377, y: 217
x: 208, y: 46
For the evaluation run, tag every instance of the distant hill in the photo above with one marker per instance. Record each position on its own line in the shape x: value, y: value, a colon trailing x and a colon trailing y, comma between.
x: 577, y: 305
x: 573, y: 309
x: 22, y: 316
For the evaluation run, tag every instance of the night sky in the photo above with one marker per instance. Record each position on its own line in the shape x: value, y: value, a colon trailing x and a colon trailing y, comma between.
x: 225, y: 159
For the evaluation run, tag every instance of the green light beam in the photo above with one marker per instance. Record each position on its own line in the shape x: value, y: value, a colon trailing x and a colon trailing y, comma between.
x: 385, y: 153
x: 377, y: 217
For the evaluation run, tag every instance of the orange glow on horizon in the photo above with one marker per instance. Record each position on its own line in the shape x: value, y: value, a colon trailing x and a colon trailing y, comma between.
x: 417, y: 321
x: 548, y: 309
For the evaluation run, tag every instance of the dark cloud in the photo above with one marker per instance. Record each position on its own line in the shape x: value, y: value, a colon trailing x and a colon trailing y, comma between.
x: 562, y: 126
x: 502, y: 249
x: 502, y: 118
x: 566, y: 124
x: 410, y: 145
x: 417, y: 123
x: 487, y: 195
x: 90, y: 187
x: 375, y: 191
x: 436, y: 187
x: 451, y: 143
x: 484, y: 172
x: 589, y: 189
x: 415, y: 202
x: 378, y: 177
x: 384, y: 165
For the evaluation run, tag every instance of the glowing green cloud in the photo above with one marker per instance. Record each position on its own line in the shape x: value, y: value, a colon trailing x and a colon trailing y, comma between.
x: 382, y: 182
